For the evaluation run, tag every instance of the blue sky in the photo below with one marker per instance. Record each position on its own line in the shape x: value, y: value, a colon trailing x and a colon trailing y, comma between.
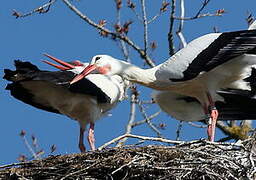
x: 64, y: 35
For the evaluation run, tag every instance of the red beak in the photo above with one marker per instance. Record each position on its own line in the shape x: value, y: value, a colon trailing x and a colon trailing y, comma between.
x: 63, y: 68
x: 84, y: 73
x: 66, y: 66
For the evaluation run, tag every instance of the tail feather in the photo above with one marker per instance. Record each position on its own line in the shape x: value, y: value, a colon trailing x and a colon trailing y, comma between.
x: 25, y: 66
x: 23, y: 69
x: 237, y: 105
x: 8, y: 74
x: 24, y: 95
x: 252, y: 80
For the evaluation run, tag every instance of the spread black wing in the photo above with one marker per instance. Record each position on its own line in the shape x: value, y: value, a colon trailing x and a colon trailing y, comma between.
x: 227, y: 46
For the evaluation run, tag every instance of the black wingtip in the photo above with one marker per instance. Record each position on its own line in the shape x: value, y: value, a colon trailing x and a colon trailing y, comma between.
x: 8, y: 87
x: 25, y: 66
x: 252, y: 80
x: 8, y: 74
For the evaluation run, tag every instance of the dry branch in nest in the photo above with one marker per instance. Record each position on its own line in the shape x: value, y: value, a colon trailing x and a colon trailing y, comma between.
x: 191, y: 160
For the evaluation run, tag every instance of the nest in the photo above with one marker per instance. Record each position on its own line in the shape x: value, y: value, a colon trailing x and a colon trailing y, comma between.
x: 191, y: 160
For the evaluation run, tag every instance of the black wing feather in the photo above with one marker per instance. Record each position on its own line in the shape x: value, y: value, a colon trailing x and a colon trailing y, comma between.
x: 227, y: 46
x: 25, y: 71
x: 22, y: 94
x: 237, y: 105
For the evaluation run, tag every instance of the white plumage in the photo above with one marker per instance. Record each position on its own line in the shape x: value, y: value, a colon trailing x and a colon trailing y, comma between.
x: 207, y: 64
x: 85, y: 101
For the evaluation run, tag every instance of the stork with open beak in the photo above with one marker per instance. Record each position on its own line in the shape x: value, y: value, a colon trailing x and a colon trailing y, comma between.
x: 85, y: 101
x: 205, y: 66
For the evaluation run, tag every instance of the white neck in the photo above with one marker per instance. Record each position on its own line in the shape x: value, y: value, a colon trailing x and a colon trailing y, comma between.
x: 135, y: 74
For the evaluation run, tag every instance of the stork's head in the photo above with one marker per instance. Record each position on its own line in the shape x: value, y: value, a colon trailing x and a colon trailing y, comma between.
x: 102, y: 64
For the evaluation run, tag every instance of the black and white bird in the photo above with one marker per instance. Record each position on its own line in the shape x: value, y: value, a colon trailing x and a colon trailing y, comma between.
x: 205, y: 66
x: 85, y: 101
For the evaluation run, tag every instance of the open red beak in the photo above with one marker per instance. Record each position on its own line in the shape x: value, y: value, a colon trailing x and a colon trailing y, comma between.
x: 66, y: 66
x: 84, y: 73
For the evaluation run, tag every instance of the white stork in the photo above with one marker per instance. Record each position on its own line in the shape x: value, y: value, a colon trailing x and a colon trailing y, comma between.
x: 85, y: 101
x: 206, y: 65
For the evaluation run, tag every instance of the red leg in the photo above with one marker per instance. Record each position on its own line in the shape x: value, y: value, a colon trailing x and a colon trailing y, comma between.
x: 90, y: 137
x: 81, y: 140
x: 212, y: 119
x: 212, y: 124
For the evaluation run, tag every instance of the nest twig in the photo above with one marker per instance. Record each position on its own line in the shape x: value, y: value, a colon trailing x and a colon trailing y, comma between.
x: 191, y: 160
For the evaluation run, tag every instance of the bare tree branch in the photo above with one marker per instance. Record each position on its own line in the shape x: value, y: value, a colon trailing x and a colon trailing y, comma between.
x: 40, y: 10
x: 197, y: 17
x: 30, y: 149
x: 202, y: 7
x: 123, y: 46
x: 170, y: 34
x: 109, y: 32
x: 162, y: 10
x: 178, y: 131
x: 145, y: 25
x: 196, y: 125
x: 179, y: 32
x: 129, y: 126
x: 145, y: 120
x: 132, y: 6
x: 144, y: 114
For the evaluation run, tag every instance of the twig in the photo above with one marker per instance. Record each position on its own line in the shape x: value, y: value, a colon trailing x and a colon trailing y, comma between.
x: 30, y: 149
x: 179, y: 32
x: 145, y: 120
x: 162, y: 10
x: 170, y: 34
x: 136, y: 14
x: 252, y: 158
x: 14, y: 164
x: 197, y: 17
x: 132, y: 161
x: 145, y: 25
x: 144, y: 114
x: 225, y: 139
x: 142, y: 138
x: 78, y: 171
x: 154, y: 18
x: 196, y: 125
x: 40, y: 9
x: 202, y: 7
x: 122, y: 43
x: 179, y: 130
x: 113, y: 34
x: 129, y: 125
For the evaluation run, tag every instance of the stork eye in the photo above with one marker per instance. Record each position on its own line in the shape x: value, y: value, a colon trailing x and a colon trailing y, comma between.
x: 97, y: 58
